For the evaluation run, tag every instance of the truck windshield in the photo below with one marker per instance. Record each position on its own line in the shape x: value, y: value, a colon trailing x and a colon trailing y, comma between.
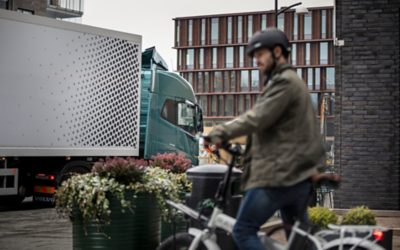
x: 180, y: 114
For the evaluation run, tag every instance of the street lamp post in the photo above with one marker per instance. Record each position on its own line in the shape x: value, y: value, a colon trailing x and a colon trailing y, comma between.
x: 277, y: 13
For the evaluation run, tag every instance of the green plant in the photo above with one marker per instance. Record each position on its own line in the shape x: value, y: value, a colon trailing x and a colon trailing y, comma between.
x: 162, y: 184
x: 124, y: 171
x: 89, y: 193
x: 361, y: 215
x: 321, y: 216
x: 176, y: 163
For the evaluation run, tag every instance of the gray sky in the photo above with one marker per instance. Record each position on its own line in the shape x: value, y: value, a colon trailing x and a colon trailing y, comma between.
x: 152, y: 19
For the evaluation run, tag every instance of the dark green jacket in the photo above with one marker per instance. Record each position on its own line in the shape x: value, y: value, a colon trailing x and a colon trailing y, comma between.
x: 286, y: 147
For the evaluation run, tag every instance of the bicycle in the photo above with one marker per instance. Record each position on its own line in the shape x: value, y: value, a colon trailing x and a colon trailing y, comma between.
x: 302, y: 237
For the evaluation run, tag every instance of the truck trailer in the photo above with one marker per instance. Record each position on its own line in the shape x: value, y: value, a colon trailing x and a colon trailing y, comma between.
x: 71, y: 94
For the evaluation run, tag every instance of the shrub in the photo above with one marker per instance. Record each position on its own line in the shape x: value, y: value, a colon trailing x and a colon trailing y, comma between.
x: 116, y: 177
x: 89, y: 193
x: 361, y: 215
x: 322, y: 216
x: 124, y: 171
x: 176, y: 163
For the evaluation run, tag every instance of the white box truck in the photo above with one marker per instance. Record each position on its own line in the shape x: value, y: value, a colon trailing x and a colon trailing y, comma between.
x: 71, y: 93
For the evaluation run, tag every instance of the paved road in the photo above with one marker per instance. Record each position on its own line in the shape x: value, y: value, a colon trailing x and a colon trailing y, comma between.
x: 30, y: 227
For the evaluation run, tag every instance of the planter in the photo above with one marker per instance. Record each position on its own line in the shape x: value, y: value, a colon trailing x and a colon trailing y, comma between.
x: 178, y: 224
x: 138, y: 230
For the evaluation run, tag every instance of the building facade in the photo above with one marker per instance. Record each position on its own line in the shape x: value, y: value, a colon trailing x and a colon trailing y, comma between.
x: 59, y: 9
x: 212, y: 57
x: 367, y: 103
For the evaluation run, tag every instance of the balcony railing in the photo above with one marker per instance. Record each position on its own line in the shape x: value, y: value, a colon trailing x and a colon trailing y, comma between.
x: 65, y: 8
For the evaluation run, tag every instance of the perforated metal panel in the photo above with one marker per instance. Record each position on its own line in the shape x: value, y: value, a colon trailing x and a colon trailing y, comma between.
x: 67, y: 89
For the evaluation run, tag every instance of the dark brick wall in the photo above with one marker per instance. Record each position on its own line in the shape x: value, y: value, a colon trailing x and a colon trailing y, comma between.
x: 367, y: 103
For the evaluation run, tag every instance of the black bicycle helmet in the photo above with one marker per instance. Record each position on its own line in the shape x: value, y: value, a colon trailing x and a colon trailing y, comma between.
x: 269, y: 38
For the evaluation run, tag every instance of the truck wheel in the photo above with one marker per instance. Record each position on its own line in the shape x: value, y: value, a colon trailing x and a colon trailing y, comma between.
x: 71, y: 168
x: 11, y: 201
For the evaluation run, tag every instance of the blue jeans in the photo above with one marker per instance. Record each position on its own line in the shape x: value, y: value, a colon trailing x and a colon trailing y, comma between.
x: 260, y: 204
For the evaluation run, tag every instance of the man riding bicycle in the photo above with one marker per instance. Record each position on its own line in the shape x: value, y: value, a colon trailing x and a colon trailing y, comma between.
x: 284, y: 146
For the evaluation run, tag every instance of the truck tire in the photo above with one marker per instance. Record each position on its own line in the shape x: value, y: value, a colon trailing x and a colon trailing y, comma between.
x: 11, y: 201
x: 71, y: 168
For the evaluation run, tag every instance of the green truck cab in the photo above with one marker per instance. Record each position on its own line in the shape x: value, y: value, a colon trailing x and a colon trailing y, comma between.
x: 170, y: 117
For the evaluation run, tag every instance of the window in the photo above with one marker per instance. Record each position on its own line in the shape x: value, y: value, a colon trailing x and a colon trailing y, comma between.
x: 323, y: 53
x: 308, y: 53
x: 281, y: 21
x: 203, y: 31
x: 264, y: 21
x: 214, y: 31
x: 239, y: 29
x: 220, y: 105
x: 180, y: 114
x: 200, y: 82
x: 240, y: 104
x: 330, y: 78
x: 317, y: 78
x: 300, y: 73
x: 206, y: 82
x: 307, y: 26
x: 233, y: 81
x: 241, y: 56
x: 295, y: 27
x: 177, y: 31
x: 201, y: 58
x: 255, y: 80
x: 226, y: 81
x: 190, y: 78
x: 228, y: 105
x: 229, y: 57
x: 190, y: 33
x: 293, y: 54
x: 249, y: 27
x: 217, y: 81
x: 314, y: 101
x: 310, y: 78
x: 323, y: 24
x: 189, y: 58
x: 230, y: 29
x: 214, y: 57
x: 203, y: 104
x: 213, y: 105
x: 179, y: 58
x: 244, y: 80
x: 247, y: 103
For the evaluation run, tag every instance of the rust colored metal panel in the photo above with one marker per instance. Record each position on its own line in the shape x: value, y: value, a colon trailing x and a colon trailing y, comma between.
x: 316, y: 24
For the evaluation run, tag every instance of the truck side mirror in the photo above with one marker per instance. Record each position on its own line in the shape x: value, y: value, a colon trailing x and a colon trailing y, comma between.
x: 199, y: 119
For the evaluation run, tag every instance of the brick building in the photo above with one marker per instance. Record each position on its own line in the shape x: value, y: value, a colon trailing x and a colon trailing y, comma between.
x: 60, y: 9
x: 211, y: 56
x: 367, y: 103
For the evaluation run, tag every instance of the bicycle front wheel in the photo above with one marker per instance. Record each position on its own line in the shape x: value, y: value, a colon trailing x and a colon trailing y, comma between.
x: 348, y: 247
x: 181, y: 241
